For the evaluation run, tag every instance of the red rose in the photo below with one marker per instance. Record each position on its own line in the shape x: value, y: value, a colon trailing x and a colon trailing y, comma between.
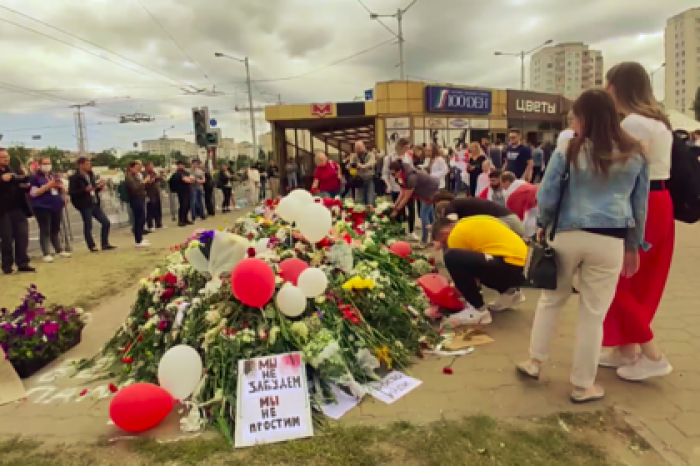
x: 168, y: 278
x: 251, y: 252
x: 113, y: 388
x: 447, y: 370
x: 83, y: 393
x: 163, y: 325
x: 127, y: 360
x: 140, y: 338
x: 431, y: 261
x: 269, y: 202
x: 167, y: 294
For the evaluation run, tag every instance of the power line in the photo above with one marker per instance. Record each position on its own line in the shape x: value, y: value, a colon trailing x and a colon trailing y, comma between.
x: 362, y: 52
x: 377, y: 19
x: 76, y: 47
x: 89, y: 42
x: 174, y: 41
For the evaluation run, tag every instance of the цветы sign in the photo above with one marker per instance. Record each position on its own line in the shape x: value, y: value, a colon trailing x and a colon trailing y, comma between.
x: 440, y: 99
x: 273, y: 400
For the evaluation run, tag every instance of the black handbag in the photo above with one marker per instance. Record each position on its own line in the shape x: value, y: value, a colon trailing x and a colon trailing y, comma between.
x: 540, y: 269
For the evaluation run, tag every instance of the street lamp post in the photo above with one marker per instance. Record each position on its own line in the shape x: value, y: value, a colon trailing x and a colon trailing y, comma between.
x: 522, y: 56
x: 399, y: 17
x: 250, y: 96
x: 651, y: 75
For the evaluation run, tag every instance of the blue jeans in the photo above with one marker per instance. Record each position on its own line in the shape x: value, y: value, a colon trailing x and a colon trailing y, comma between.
x: 366, y: 192
x: 88, y: 214
x: 263, y: 182
x: 292, y: 181
x: 427, y: 217
x: 197, y: 204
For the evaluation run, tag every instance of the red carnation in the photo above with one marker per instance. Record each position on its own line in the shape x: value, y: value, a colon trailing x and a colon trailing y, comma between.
x: 269, y: 202
x: 127, y: 360
x: 167, y: 294
x: 447, y: 370
x: 163, y: 325
x: 251, y: 252
x: 168, y: 278
x: 113, y: 388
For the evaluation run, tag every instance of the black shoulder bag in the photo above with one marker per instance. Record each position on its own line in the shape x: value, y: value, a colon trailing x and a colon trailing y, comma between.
x: 540, y: 269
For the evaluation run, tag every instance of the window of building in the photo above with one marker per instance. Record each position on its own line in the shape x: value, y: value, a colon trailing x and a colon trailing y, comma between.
x: 683, y: 81
x: 678, y: 92
x: 549, y: 65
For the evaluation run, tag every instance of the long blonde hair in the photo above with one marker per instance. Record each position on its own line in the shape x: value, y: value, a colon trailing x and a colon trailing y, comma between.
x: 475, y: 150
x: 633, y: 92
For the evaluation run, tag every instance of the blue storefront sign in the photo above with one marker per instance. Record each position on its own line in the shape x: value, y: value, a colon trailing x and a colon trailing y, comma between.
x: 369, y: 94
x: 440, y: 99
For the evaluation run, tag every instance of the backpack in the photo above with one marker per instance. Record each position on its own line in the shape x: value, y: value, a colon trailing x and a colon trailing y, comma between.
x: 684, y: 184
x: 123, y: 193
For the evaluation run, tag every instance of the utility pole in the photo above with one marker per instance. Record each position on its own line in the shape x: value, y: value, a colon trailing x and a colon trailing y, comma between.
x: 80, y: 130
x: 399, y: 17
x: 522, y: 56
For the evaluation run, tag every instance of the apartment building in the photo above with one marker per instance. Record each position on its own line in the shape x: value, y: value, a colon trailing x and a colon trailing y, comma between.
x: 568, y: 69
x: 682, y: 52
x: 168, y: 146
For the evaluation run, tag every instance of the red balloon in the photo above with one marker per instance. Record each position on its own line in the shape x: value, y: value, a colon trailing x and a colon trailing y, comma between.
x: 440, y: 292
x: 140, y: 407
x: 401, y: 249
x: 290, y: 269
x: 253, y: 282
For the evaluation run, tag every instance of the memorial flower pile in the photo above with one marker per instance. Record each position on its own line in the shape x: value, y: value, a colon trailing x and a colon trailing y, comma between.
x: 368, y: 318
x: 34, y: 332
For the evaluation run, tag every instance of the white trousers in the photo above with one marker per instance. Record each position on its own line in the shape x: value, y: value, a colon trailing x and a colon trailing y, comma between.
x: 253, y: 193
x: 598, y: 259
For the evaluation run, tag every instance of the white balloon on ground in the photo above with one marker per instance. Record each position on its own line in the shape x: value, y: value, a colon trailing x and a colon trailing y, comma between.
x: 314, y: 222
x: 288, y: 208
x: 302, y: 196
x: 312, y: 282
x: 290, y: 301
x: 179, y: 371
x: 262, y: 245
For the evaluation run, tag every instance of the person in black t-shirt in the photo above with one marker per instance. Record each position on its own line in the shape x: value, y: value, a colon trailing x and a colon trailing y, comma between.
x: 181, y: 184
x: 518, y: 157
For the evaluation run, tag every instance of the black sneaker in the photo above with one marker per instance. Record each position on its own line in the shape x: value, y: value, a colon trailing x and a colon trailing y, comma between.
x: 94, y: 249
x: 181, y: 224
x: 26, y: 268
x: 146, y: 232
x: 8, y: 271
x: 109, y: 247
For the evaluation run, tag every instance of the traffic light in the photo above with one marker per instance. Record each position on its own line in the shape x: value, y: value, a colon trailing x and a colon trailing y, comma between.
x: 200, y: 116
x: 213, y: 137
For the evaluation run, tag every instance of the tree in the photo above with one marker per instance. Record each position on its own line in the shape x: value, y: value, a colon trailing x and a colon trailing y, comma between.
x: 242, y: 162
x: 176, y: 156
x: 105, y: 159
x: 262, y: 156
x: 58, y: 158
x: 696, y: 104
x: 19, y: 156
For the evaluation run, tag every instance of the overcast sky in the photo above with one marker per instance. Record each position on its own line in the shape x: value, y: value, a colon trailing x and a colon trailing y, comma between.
x: 446, y: 40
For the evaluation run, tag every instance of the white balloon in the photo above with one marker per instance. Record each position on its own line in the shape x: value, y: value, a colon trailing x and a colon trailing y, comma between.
x: 315, y: 222
x: 261, y: 247
x: 312, y: 282
x: 291, y: 301
x: 180, y: 371
x: 302, y: 196
x: 288, y: 208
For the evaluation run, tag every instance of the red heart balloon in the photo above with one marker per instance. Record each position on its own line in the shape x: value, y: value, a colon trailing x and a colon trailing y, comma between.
x: 290, y: 269
x: 440, y: 292
x: 401, y: 249
x: 253, y: 282
x: 140, y: 407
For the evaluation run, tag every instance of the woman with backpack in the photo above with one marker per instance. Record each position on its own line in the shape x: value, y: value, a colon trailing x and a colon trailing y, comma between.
x: 628, y: 323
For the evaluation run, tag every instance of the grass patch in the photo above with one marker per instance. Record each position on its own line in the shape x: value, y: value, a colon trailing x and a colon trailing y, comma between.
x: 474, y: 441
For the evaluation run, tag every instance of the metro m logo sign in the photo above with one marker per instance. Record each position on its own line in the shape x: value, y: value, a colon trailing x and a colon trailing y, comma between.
x: 321, y: 110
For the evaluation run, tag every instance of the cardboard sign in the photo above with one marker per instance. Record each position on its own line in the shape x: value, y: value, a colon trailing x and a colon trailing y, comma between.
x: 392, y: 387
x: 273, y: 400
x: 11, y: 387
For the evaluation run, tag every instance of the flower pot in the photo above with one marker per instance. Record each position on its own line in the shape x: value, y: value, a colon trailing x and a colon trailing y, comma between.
x: 27, y: 368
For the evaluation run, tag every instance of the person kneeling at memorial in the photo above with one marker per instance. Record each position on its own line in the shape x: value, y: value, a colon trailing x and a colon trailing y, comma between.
x: 482, y: 249
x: 447, y: 206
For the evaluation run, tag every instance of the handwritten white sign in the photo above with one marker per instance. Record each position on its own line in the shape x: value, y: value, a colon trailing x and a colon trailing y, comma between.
x: 343, y: 403
x: 392, y: 387
x: 273, y: 400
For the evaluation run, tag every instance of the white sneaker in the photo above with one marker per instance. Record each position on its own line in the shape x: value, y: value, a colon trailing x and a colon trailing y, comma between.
x: 143, y: 244
x: 644, y: 368
x: 48, y: 259
x: 614, y: 359
x: 413, y: 237
x: 469, y: 316
x: 507, y: 301
x: 65, y: 255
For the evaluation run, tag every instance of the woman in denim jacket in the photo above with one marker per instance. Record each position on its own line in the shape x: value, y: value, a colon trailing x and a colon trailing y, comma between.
x: 598, y: 233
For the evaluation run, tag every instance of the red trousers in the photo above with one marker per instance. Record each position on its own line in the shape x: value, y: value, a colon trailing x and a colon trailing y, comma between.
x: 637, y: 298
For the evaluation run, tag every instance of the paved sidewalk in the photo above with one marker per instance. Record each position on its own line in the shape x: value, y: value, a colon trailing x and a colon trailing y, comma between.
x: 483, y: 382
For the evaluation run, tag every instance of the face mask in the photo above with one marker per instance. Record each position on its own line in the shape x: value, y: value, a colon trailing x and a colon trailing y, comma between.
x: 46, y: 168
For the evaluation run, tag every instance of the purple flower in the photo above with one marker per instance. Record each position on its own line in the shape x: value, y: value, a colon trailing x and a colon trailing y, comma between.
x: 7, y: 327
x: 29, y: 316
x: 319, y: 313
x: 30, y: 331
x: 206, y: 236
x: 63, y: 317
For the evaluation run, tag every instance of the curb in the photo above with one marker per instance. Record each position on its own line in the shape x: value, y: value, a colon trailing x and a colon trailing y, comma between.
x: 666, y: 451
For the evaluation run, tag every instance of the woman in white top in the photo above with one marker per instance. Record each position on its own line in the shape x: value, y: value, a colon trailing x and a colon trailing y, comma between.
x: 253, y: 185
x: 627, y: 325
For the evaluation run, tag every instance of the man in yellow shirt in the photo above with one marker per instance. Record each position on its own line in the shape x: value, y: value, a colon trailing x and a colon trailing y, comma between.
x: 482, y: 249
